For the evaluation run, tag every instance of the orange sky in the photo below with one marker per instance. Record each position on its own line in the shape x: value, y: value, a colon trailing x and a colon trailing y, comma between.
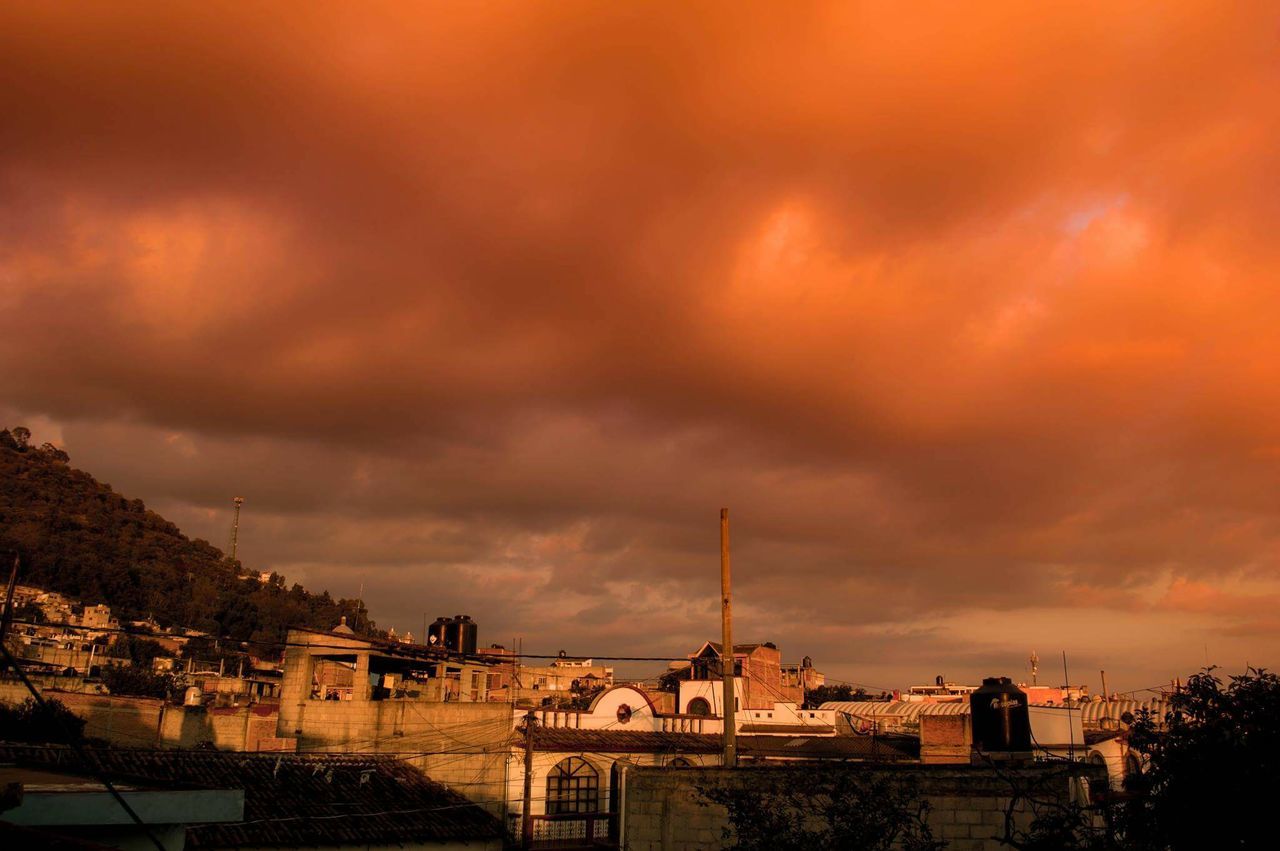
x: 968, y: 315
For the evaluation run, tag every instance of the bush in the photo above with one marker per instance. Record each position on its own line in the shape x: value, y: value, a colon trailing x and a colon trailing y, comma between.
x: 32, y: 722
x: 138, y: 682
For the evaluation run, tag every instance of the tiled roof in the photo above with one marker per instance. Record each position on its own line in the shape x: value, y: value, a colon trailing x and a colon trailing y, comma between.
x: 622, y: 741
x: 570, y: 740
x: 831, y: 747
x: 787, y: 729
x: 297, y: 799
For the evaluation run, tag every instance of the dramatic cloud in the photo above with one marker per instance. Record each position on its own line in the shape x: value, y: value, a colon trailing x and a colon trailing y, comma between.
x: 968, y: 314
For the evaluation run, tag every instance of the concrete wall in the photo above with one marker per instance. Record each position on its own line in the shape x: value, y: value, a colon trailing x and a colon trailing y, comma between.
x: 462, y: 745
x: 144, y: 722
x: 232, y: 728
x: 661, y: 809
x: 129, y: 721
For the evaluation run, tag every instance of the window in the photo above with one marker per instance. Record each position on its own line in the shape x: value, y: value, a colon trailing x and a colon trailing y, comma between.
x: 680, y: 762
x: 698, y: 706
x: 573, y: 786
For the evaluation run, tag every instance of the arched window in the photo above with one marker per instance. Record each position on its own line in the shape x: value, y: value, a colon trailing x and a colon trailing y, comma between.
x: 698, y: 706
x: 573, y: 786
x: 680, y: 762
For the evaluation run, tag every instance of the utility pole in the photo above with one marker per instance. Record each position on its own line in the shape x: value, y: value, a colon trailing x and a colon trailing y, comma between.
x: 235, y: 526
x: 726, y: 650
x: 7, y: 620
x: 526, y: 810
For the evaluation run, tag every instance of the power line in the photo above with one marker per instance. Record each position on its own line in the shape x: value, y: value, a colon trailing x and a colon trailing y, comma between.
x: 80, y: 752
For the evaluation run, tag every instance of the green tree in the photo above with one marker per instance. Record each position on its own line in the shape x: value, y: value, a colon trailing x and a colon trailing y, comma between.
x: 1211, y: 766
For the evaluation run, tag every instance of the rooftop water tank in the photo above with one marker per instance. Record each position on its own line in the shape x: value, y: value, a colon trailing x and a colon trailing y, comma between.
x: 1001, y: 719
x: 457, y: 633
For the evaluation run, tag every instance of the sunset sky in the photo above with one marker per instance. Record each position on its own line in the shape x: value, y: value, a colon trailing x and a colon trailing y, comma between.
x: 968, y: 312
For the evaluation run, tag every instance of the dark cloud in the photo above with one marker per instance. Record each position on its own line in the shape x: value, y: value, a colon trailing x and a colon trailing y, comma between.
x: 967, y: 315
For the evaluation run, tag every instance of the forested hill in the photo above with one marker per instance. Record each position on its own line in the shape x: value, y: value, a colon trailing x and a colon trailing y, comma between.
x: 77, y: 536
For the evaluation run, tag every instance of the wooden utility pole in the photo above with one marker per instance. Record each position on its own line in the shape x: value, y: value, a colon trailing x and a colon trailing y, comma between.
x: 726, y: 649
x: 7, y: 620
x: 526, y: 811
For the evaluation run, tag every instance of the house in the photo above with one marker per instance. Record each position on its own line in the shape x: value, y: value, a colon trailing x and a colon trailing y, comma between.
x: 347, y: 693
x: 575, y: 758
x: 58, y: 796
x: 765, y: 702
x: 242, y: 801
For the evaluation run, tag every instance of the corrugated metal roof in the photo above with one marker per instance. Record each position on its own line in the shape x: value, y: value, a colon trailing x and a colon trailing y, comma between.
x: 1091, y: 712
x: 1111, y: 710
x: 900, y: 709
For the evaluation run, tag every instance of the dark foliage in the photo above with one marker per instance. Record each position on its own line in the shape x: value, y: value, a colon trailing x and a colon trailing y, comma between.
x: 815, y: 697
x: 830, y: 810
x: 139, y: 651
x: 79, y: 537
x: 135, y: 681
x: 1212, y: 766
x: 30, y: 722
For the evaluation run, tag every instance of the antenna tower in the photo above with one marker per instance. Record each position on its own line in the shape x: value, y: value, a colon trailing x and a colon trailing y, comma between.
x: 235, y: 526
x: 1035, y: 666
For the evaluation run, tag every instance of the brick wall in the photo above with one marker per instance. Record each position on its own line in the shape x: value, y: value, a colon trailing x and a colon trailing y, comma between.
x: 945, y: 739
x: 662, y: 810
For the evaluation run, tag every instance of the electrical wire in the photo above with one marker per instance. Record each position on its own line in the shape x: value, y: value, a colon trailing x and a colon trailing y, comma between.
x: 80, y: 751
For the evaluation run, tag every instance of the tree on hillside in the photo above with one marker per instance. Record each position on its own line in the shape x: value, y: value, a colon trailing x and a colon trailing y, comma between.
x: 1211, y: 765
x: 77, y: 536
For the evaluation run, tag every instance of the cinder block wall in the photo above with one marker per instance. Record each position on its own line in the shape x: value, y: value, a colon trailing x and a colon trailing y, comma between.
x: 663, y: 809
x: 128, y: 721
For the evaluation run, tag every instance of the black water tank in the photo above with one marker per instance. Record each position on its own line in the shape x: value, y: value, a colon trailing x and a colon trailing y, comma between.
x: 457, y: 633
x: 1001, y: 720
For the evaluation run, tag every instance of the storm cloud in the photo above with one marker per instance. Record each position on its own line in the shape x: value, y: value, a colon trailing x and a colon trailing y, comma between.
x: 967, y: 314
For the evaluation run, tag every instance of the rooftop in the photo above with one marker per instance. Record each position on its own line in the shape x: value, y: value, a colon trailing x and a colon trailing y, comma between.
x: 794, y: 747
x: 294, y: 799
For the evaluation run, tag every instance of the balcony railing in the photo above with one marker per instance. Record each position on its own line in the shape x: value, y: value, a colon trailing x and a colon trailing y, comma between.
x: 570, y: 830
